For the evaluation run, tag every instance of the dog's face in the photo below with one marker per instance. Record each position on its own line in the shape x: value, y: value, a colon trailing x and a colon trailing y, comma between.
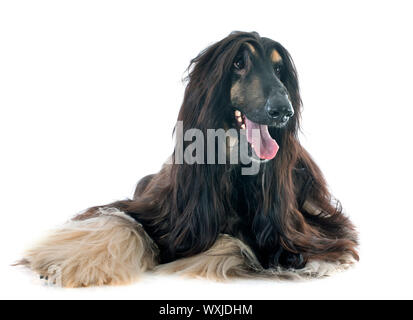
x: 257, y: 90
x: 258, y: 95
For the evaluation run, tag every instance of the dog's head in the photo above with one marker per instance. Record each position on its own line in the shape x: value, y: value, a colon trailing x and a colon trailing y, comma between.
x: 257, y: 89
x: 261, y: 72
x: 245, y: 82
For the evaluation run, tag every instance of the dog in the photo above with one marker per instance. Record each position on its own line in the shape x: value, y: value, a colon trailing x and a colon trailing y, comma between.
x: 211, y: 220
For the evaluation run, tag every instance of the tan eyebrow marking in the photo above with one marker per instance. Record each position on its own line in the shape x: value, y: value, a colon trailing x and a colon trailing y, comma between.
x: 275, y: 56
x: 251, y: 47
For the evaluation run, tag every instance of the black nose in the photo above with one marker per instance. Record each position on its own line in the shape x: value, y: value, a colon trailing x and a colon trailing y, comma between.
x: 279, y: 107
x: 280, y: 112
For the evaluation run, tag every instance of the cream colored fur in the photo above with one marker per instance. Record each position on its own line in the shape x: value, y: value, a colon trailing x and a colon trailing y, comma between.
x: 227, y: 258
x: 313, y: 269
x: 112, y: 248
x: 231, y: 258
x: 108, y: 249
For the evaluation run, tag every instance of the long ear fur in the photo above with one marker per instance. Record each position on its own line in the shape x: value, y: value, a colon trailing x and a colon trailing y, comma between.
x: 298, y: 179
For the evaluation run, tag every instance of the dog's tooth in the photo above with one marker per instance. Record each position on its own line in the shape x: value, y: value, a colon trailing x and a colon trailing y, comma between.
x: 238, y: 113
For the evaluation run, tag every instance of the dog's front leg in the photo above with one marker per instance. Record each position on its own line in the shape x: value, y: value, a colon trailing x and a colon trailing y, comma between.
x: 102, y: 246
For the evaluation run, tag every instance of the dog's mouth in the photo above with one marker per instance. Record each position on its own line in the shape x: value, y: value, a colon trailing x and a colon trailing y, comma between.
x: 258, y: 136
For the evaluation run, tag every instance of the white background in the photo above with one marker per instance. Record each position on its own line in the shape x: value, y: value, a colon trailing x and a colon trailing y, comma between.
x: 90, y: 91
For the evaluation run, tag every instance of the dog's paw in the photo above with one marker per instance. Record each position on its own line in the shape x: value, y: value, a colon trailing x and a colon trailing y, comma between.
x: 72, y: 275
x: 291, y: 260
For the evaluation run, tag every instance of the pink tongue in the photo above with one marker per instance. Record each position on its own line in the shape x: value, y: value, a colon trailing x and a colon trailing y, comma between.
x: 268, y: 147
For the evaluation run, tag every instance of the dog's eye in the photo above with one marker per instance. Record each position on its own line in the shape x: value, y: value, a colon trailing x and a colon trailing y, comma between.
x: 239, y: 63
x: 277, y: 70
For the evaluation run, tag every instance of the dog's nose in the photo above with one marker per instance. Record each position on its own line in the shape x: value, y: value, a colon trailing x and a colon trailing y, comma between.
x: 280, y: 110
x: 279, y: 107
x: 283, y: 113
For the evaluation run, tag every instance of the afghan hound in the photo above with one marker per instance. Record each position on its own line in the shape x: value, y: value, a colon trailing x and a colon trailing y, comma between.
x: 209, y: 219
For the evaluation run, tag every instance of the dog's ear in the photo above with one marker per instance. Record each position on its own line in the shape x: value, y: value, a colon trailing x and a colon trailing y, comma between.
x: 207, y: 91
x: 211, y: 68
